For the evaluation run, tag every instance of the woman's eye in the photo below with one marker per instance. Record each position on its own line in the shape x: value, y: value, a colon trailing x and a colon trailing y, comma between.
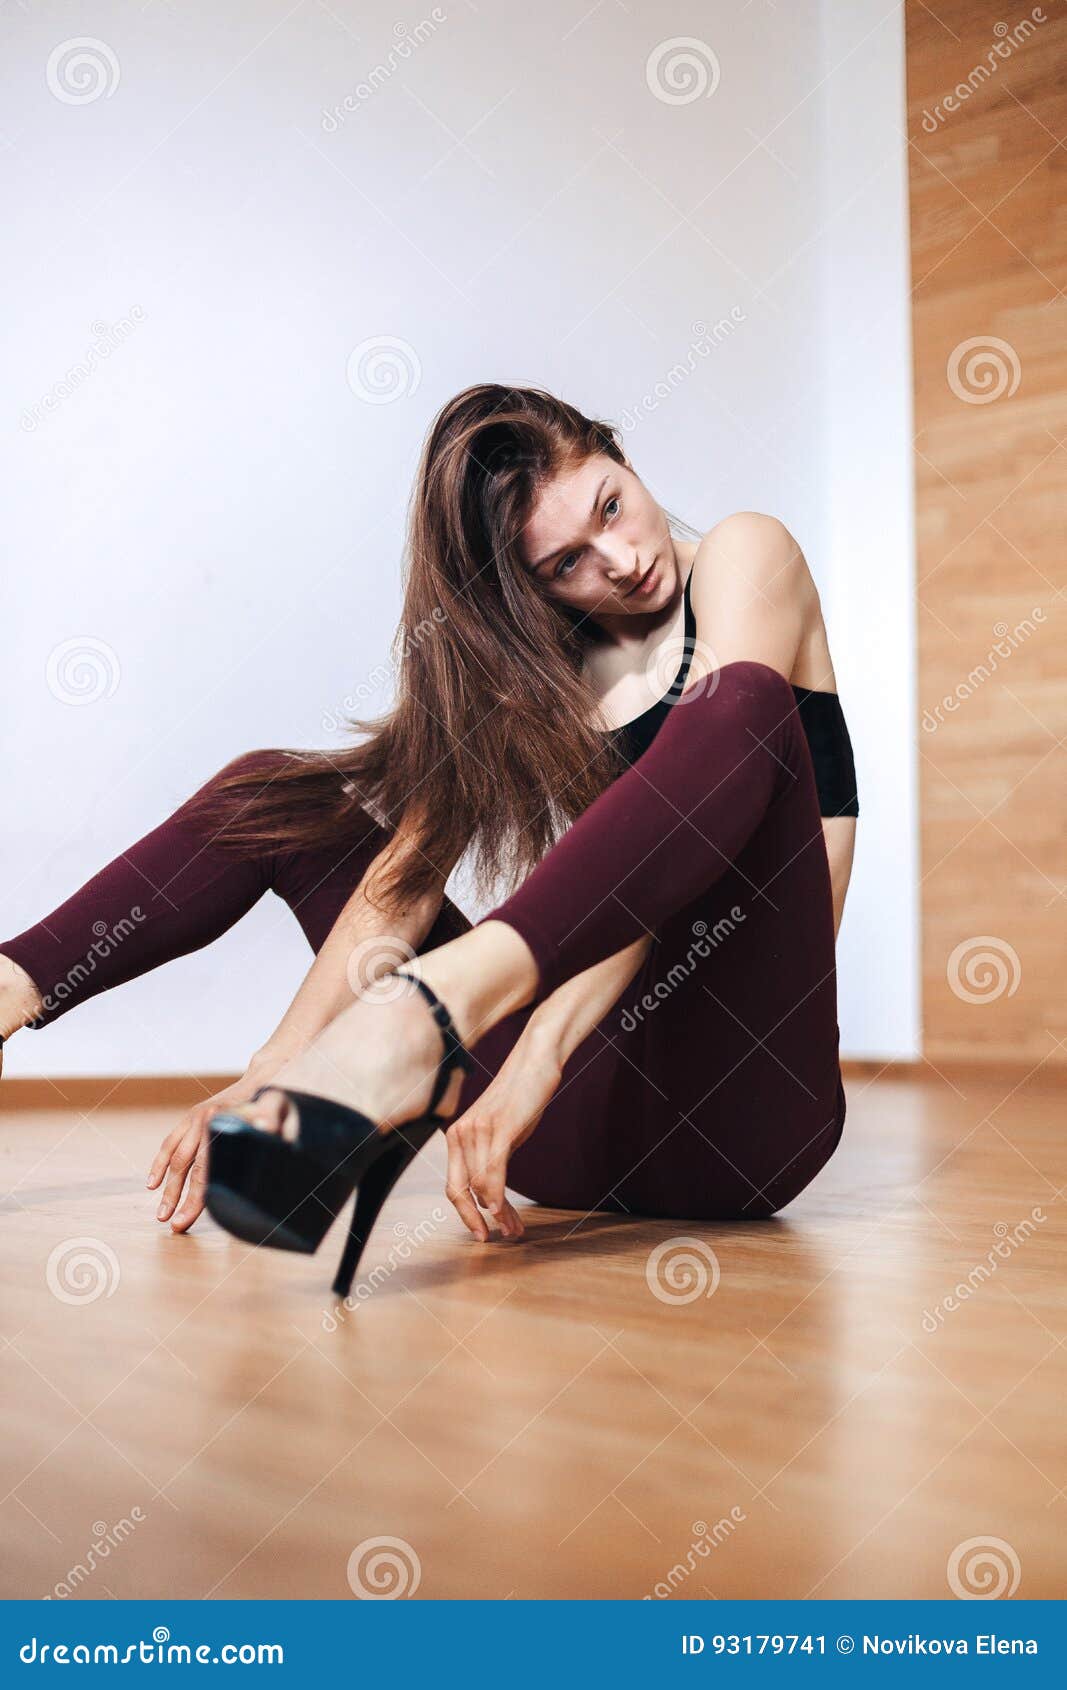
x: 558, y: 571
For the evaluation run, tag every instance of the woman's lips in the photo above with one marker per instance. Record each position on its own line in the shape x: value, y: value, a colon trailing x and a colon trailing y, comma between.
x: 647, y: 585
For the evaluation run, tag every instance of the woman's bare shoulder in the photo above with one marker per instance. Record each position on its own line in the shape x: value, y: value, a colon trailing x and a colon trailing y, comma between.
x: 756, y: 550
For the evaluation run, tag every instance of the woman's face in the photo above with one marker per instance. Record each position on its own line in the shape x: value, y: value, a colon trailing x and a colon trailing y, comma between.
x: 595, y: 535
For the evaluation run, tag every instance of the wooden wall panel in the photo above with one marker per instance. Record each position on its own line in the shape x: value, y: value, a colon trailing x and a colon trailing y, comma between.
x: 988, y: 188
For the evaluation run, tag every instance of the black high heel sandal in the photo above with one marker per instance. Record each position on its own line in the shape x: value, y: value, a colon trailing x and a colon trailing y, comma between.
x: 270, y: 1190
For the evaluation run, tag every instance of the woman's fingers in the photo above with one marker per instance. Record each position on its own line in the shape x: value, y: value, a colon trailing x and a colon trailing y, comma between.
x: 514, y: 1220
x: 161, y: 1161
x: 195, y: 1192
x: 457, y: 1188
x: 489, y: 1165
x: 487, y: 1180
x: 181, y: 1159
x: 477, y: 1169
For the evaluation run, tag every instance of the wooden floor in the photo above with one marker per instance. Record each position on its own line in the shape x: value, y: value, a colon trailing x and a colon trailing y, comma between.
x: 558, y: 1418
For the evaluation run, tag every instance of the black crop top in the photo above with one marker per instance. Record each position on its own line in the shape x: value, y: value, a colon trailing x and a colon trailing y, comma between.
x: 821, y: 717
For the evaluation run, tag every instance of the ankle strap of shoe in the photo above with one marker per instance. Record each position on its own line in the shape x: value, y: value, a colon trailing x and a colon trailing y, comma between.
x: 456, y: 1054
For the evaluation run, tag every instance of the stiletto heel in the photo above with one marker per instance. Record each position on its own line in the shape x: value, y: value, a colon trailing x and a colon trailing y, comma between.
x: 372, y: 1192
x: 269, y: 1190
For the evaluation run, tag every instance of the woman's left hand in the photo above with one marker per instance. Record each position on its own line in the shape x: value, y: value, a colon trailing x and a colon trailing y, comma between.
x: 481, y: 1140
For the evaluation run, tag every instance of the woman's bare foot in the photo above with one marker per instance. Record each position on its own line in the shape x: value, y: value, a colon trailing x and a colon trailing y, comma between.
x: 20, y: 1001
x: 380, y: 1055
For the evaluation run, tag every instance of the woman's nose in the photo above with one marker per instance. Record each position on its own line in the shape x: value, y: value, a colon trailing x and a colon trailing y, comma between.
x: 623, y: 577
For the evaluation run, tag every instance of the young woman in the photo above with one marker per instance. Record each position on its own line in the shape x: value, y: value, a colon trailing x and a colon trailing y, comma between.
x: 644, y: 732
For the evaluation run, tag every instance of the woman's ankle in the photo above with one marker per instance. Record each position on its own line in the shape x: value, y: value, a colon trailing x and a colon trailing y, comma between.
x: 20, y: 1001
x: 481, y: 976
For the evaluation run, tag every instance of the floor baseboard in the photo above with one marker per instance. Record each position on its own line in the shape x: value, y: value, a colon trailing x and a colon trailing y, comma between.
x: 181, y: 1091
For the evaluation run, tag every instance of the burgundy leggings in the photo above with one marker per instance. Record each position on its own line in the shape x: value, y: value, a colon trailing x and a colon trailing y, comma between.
x: 711, y: 1088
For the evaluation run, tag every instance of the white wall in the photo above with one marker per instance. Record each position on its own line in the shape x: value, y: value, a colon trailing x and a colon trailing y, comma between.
x: 216, y: 515
x: 867, y: 474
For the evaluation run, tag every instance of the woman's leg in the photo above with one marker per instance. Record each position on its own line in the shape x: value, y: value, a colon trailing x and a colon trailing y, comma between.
x: 716, y: 1075
x: 176, y: 890
x: 719, y: 815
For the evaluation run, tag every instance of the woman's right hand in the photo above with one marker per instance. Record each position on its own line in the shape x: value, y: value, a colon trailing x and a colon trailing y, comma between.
x: 182, y: 1157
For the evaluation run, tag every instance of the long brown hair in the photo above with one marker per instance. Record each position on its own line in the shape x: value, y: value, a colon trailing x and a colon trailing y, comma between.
x: 488, y: 744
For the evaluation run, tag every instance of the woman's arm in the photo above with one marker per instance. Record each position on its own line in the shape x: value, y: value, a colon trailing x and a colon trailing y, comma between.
x: 335, y: 977
x: 569, y: 1014
x: 753, y: 595
x: 482, y: 1139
